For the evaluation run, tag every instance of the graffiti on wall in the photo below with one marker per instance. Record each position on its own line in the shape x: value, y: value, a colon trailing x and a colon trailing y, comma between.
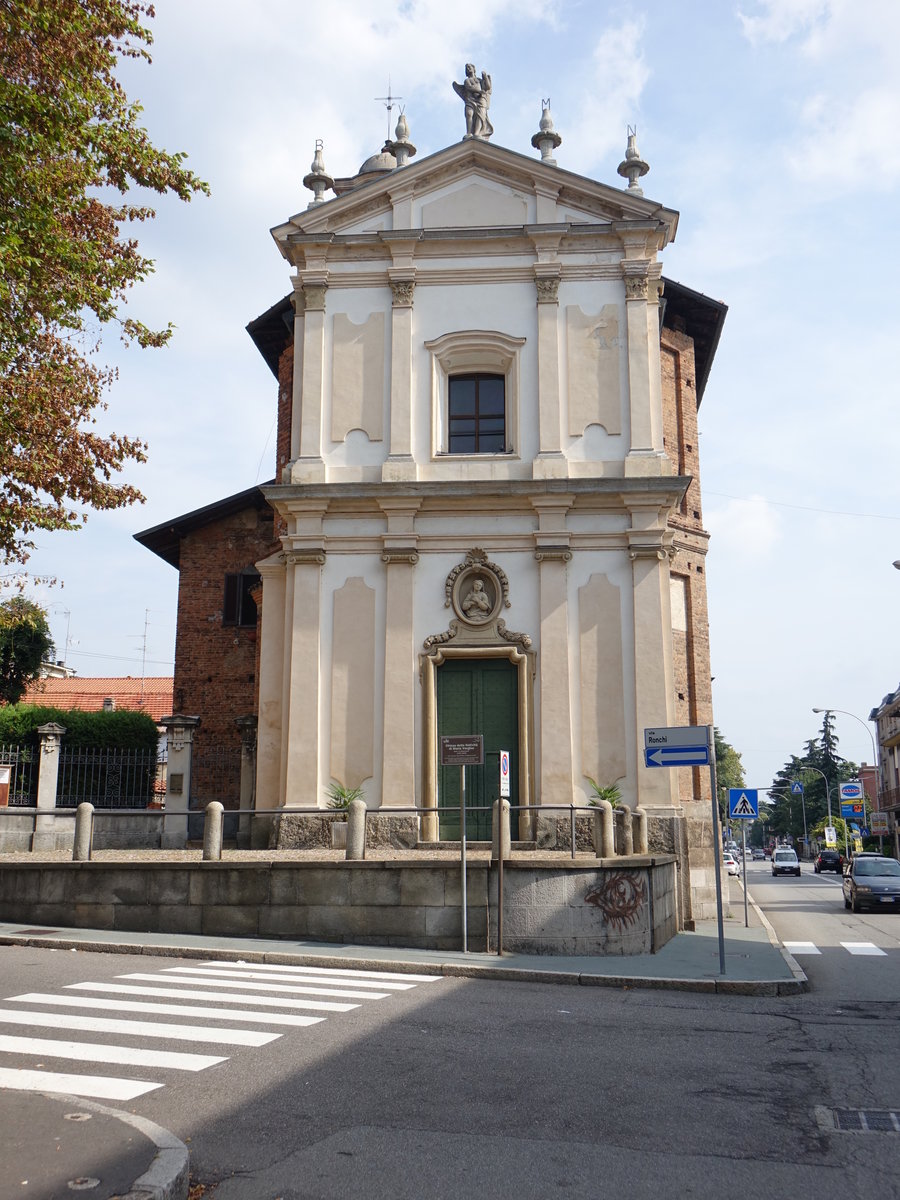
x: 620, y: 897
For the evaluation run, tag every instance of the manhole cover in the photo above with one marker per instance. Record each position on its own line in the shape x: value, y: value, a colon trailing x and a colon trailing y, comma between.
x: 858, y: 1120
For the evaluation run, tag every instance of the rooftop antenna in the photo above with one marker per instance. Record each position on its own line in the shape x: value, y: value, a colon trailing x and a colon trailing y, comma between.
x: 389, y: 102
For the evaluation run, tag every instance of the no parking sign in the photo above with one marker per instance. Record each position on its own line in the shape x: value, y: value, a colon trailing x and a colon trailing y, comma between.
x: 504, y: 774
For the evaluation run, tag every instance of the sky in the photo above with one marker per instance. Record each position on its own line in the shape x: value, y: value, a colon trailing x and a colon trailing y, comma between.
x: 770, y: 125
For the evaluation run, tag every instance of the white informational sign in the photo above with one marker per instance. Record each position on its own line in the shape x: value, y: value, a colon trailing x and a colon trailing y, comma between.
x: 830, y: 835
x: 504, y: 774
x: 878, y: 822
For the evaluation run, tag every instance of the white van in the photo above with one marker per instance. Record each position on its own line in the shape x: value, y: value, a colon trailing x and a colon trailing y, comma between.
x: 785, y: 861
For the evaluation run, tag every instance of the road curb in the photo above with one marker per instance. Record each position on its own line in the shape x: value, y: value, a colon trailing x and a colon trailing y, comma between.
x: 167, y: 1176
x: 715, y: 984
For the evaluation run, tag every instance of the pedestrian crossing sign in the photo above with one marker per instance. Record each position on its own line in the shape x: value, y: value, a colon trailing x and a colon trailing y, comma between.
x: 743, y: 804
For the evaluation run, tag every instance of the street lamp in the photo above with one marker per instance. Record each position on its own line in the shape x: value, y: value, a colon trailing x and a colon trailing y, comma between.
x: 865, y: 726
x: 807, y: 767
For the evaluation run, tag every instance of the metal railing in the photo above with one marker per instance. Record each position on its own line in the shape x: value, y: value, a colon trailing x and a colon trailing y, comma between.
x: 23, y: 782
x: 107, y: 778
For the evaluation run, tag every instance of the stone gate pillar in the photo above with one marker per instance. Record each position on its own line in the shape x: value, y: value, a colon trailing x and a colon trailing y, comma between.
x: 179, y: 747
x: 47, y: 833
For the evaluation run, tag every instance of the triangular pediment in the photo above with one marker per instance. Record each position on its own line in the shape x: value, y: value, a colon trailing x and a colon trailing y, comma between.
x: 474, y: 184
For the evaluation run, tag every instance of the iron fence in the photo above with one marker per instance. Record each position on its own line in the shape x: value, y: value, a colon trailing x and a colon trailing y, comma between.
x: 109, y: 778
x: 23, y: 780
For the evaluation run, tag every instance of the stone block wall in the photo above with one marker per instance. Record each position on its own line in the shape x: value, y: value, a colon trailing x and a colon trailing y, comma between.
x: 549, y: 908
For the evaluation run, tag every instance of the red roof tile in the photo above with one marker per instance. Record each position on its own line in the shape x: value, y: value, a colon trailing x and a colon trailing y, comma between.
x: 153, y: 694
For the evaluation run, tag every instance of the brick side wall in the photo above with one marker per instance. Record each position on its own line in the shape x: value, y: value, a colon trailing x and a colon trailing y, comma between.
x: 216, y: 664
x: 693, y: 687
x: 285, y: 405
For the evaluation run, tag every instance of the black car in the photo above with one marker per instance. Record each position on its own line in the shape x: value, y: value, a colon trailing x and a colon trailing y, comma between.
x: 871, y: 881
x: 829, y: 860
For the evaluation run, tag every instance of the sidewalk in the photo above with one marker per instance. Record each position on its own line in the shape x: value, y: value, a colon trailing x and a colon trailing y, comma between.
x: 111, y: 1145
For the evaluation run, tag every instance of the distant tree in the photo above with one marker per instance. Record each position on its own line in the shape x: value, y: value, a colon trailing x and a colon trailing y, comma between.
x: 25, y: 643
x: 70, y: 141
x: 729, y: 771
x: 819, y: 755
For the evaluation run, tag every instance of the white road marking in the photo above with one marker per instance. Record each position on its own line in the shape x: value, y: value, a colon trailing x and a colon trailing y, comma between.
x: 259, y: 987
x: 75, y: 1085
x: 862, y: 948
x: 147, y: 1029
x: 336, y: 971
x: 222, y: 973
x: 229, y: 997
x: 802, y: 948
x: 97, y: 1052
x: 177, y: 1010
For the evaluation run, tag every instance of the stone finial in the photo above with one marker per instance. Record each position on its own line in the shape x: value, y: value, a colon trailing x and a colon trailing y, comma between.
x: 546, y: 139
x: 318, y: 180
x: 633, y: 167
x: 401, y: 148
x: 475, y: 93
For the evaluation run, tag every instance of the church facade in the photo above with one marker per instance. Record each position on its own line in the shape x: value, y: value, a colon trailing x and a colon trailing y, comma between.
x: 486, y: 508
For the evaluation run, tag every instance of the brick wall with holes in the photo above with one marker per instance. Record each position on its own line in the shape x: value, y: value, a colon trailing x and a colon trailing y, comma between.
x: 692, y: 682
x: 216, y: 662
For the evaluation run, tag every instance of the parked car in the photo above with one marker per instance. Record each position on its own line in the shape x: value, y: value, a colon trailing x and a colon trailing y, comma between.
x: 871, y: 881
x: 732, y: 866
x: 785, y: 861
x: 829, y: 860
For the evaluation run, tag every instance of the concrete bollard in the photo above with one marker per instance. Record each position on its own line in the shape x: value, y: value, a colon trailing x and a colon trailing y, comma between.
x: 627, y: 830
x: 84, y: 831
x: 356, y: 830
x: 641, y: 836
x: 604, y: 830
x: 501, y: 842
x: 213, y: 824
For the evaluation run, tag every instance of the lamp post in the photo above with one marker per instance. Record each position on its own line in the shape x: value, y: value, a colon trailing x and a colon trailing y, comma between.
x: 865, y: 726
x: 807, y: 767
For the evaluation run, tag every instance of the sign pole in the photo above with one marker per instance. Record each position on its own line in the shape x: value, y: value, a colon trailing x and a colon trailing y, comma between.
x: 717, y: 839
x: 462, y: 853
x: 744, y: 872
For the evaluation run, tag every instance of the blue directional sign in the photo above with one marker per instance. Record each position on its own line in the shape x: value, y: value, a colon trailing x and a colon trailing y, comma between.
x: 743, y: 804
x: 676, y: 756
x: 681, y: 746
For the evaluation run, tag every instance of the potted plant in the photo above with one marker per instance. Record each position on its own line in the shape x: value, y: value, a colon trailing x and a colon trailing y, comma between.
x: 610, y: 793
x: 339, y: 798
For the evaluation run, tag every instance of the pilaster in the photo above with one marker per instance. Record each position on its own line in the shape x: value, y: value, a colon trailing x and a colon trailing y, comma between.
x: 641, y: 274
x: 552, y: 553
x: 179, y: 754
x: 650, y: 550
x: 308, y: 466
x: 399, y: 555
x: 400, y: 464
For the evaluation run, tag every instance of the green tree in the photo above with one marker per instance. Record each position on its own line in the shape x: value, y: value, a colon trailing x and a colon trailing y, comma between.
x: 25, y: 643
x: 820, y: 758
x: 71, y: 147
x: 729, y: 771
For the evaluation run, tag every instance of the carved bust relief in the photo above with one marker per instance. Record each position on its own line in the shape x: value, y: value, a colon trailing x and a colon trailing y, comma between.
x: 477, y: 589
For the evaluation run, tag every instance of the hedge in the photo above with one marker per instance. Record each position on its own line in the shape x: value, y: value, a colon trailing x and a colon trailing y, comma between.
x: 117, y: 730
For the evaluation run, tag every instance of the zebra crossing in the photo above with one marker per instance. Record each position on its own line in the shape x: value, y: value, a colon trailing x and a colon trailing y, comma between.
x: 214, y: 1006
x: 864, y: 949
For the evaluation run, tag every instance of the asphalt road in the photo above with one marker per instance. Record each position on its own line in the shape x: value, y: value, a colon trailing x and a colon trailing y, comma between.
x: 847, y: 956
x: 457, y: 1088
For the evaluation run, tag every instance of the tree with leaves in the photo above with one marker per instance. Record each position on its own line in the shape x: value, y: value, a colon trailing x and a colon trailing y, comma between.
x: 25, y: 643
x: 71, y: 147
x: 729, y: 771
x: 820, y: 759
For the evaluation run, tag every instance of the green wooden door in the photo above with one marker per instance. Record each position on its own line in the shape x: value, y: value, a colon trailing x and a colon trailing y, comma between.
x: 477, y: 696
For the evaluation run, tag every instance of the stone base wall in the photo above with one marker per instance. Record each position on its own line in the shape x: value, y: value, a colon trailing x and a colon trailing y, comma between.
x: 309, y: 831
x: 625, y: 907
x: 25, y: 829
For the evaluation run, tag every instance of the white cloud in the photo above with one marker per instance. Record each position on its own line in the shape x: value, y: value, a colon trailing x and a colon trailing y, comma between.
x: 611, y: 99
x: 746, y: 529
x: 782, y: 19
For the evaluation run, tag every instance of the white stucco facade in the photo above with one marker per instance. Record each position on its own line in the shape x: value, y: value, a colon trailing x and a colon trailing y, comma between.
x: 476, y: 261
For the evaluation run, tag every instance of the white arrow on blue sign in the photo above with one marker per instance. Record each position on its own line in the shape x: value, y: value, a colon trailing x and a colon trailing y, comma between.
x: 676, y: 756
x: 743, y: 804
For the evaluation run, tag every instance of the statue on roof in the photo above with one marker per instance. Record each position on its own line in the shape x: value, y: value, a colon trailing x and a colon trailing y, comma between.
x: 476, y: 93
